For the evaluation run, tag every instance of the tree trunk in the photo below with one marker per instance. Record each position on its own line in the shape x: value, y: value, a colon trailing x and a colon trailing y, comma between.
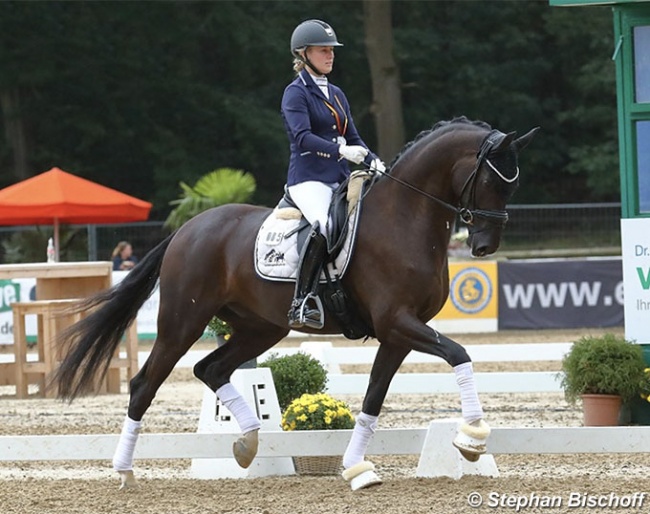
x: 15, y: 131
x: 385, y: 77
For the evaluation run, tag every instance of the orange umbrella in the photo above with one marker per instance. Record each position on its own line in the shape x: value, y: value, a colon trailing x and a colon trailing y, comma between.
x: 57, y: 197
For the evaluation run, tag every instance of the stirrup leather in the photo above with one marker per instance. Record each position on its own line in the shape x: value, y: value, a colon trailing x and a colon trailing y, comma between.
x: 303, y: 315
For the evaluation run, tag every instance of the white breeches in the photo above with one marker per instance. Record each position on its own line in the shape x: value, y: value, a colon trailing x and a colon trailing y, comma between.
x: 313, y: 199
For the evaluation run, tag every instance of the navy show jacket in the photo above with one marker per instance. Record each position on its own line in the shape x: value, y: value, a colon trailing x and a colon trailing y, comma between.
x: 313, y: 129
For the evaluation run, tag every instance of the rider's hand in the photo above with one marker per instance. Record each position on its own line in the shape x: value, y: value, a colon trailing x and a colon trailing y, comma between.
x: 353, y: 153
x: 377, y: 165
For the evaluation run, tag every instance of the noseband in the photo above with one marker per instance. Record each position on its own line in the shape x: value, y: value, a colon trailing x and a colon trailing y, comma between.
x: 466, y: 212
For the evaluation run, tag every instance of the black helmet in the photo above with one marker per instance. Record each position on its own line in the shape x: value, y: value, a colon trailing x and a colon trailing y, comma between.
x: 312, y: 33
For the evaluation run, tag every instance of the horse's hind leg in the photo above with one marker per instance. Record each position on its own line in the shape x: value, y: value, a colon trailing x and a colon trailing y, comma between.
x: 247, y: 342
x: 170, y: 345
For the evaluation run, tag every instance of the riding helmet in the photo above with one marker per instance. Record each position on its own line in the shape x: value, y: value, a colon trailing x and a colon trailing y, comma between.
x: 312, y: 33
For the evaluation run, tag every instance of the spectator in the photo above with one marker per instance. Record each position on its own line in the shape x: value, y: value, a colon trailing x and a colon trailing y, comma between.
x: 123, y: 258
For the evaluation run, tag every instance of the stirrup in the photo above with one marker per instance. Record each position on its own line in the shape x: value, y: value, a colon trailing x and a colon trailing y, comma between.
x: 303, y: 315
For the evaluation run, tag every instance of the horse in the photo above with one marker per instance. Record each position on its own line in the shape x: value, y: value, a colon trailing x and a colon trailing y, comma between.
x: 459, y: 170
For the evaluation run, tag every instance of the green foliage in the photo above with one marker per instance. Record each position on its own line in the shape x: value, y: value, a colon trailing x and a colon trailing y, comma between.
x: 219, y: 187
x: 218, y: 327
x: 295, y: 375
x: 317, y: 412
x: 603, y: 365
x: 30, y: 245
x: 140, y: 95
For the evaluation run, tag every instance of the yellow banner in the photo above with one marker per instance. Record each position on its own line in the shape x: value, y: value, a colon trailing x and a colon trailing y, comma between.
x: 472, y: 291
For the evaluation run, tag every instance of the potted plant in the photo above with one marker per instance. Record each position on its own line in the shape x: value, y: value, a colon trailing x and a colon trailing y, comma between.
x: 295, y: 375
x: 604, y: 372
x: 317, y: 411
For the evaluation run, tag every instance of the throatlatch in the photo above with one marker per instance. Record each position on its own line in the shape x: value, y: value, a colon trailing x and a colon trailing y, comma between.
x: 307, y: 308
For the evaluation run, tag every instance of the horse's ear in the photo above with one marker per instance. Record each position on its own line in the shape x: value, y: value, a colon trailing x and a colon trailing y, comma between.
x: 523, y: 141
x: 504, y: 144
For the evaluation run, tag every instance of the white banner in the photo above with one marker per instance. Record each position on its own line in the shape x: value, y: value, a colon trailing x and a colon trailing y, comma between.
x: 635, y: 246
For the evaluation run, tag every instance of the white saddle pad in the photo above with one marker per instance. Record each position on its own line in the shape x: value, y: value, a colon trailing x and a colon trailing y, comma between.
x: 276, y: 249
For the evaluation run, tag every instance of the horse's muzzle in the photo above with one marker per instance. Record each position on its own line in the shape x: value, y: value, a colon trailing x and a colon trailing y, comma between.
x: 483, y: 243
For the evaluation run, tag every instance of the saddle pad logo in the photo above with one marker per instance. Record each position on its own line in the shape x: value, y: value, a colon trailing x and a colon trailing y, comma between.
x: 471, y: 290
x: 274, y: 258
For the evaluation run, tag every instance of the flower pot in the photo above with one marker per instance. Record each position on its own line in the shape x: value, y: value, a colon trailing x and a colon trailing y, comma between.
x: 325, y: 465
x: 601, y: 410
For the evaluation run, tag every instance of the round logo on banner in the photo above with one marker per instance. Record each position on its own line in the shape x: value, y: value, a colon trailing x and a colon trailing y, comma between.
x: 470, y: 290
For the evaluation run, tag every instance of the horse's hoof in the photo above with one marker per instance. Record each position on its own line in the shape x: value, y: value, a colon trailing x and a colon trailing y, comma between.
x: 127, y: 479
x: 245, y: 448
x: 361, y: 476
x: 471, y: 457
x: 471, y: 439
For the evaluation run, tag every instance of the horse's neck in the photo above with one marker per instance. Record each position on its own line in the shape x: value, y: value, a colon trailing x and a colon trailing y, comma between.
x: 400, y: 216
x: 421, y: 220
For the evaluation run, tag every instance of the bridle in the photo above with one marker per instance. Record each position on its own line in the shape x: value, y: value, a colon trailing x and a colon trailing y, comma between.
x: 466, y: 211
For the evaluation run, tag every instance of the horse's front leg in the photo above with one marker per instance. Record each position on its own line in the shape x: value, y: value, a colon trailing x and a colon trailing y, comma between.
x: 359, y: 472
x: 407, y: 330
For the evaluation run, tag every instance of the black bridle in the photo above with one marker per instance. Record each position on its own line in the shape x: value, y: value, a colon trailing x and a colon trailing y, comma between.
x: 466, y: 211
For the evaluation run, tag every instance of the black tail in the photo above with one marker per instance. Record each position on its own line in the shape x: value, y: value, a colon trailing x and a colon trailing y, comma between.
x: 94, y: 339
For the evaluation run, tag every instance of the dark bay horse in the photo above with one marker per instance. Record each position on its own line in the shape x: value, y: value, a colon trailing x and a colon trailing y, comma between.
x: 397, y: 278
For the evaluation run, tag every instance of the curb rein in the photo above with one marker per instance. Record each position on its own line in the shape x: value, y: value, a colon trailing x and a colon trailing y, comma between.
x: 468, y: 214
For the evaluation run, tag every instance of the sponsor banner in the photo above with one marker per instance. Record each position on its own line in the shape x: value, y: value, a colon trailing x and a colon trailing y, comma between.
x: 24, y: 290
x: 562, y: 293
x: 472, y: 291
x: 635, y: 246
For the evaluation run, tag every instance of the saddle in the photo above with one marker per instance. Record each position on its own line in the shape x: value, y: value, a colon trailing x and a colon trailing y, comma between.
x: 277, y: 255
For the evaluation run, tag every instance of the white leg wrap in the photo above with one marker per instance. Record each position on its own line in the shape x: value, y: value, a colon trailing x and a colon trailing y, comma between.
x: 123, y: 457
x: 469, y: 402
x: 243, y: 414
x: 361, y: 475
x: 364, y: 427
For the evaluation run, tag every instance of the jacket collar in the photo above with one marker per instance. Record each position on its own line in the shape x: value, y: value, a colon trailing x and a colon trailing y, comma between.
x: 309, y: 83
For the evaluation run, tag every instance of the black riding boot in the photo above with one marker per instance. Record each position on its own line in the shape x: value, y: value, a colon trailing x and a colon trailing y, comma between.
x: 306, y: 308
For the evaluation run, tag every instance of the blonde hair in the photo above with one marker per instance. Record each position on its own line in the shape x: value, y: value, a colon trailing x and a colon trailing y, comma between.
x: 118, y: 249
x: 298, y: 65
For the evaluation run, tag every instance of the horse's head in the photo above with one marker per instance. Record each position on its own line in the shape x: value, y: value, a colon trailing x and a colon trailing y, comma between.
x: 486, y: 188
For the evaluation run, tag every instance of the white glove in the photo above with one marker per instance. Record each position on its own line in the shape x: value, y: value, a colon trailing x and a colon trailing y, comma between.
x: 353, y: 153
x: 377, y: 165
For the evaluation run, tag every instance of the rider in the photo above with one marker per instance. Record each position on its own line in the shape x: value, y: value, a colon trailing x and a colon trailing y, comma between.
x: 322, y: 139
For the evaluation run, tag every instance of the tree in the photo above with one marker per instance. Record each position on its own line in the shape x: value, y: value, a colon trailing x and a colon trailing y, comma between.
x: 386, y: 83
x: 140, y: 96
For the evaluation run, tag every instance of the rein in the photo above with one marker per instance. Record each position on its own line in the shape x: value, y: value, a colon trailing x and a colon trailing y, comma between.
x: 467, y: 214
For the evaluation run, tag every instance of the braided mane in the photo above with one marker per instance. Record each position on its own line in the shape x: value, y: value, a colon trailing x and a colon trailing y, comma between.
x: 442, y: 127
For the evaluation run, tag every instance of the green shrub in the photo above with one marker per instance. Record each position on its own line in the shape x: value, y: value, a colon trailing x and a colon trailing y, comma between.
x: 295, y: 375
x: 603, y: 365
x: 218, y: 327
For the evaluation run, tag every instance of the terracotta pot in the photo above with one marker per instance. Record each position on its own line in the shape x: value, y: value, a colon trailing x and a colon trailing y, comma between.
x: 601, y: 410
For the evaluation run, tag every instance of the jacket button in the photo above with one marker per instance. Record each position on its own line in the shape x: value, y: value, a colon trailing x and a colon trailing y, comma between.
x: 334, y: 127
x: 334, y: 139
